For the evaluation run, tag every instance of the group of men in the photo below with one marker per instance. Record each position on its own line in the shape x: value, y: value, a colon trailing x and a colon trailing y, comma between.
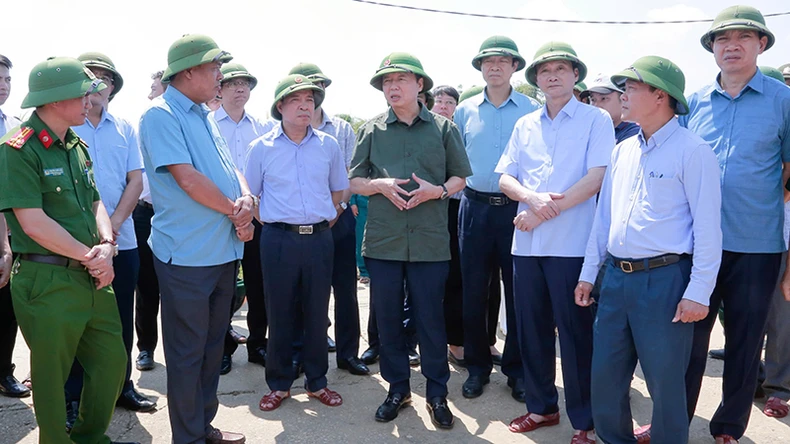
x: 619, y: 227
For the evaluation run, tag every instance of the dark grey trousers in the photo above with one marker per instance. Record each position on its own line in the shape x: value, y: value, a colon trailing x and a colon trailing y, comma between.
x: 195, y: 316
x: 777, y: 347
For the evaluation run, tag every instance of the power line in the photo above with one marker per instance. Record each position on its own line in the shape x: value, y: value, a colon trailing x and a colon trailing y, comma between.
x: 531, y: 19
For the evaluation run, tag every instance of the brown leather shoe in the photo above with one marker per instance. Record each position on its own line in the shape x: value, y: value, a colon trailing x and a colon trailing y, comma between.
x: 219, y: 437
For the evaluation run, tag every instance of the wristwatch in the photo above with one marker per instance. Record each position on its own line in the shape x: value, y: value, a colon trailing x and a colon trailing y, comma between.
x: 342, y: 205
x: 256, y: 201
x: 445, y: 195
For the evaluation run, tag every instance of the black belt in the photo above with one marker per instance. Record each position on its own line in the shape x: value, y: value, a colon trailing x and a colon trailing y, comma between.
x: 301, y: 229
x: 653, y: 262
x: 494, y: 199
x: 52, y: 259
x: 145, y: 204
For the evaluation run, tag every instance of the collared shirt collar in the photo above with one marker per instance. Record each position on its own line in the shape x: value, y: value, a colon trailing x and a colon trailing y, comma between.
x: 484, y: 97
x: 104, y: 116
x: 569, y: 109
x: 2, y: 115
x: 280, y: 133
x: 172, y: 94
x: 756, y: 83
x: 221, y: 114
x: 659, y: 137
x: 38, y: 125
x: 424, y: 114
x: 327, y: 120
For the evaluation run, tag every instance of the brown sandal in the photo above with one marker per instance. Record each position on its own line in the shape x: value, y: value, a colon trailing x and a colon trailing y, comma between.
x: 272, y: 401
x: 327, y: 397
x: 776, y: 408
x: 527, y: 424
x: 582, y: 438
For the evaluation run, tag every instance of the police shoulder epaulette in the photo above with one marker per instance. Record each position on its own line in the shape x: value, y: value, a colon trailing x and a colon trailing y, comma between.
x: 19, y: 139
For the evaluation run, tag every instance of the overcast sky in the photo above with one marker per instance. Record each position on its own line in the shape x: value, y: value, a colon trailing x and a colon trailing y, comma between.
x: 348, y: 40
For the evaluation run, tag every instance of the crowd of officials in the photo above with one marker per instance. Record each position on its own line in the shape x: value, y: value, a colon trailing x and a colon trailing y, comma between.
x: 622, y: 218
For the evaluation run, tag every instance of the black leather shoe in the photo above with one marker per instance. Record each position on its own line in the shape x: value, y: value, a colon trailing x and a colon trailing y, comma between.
x: 518, y: 390
x: 298, y: 369
x: 414, y: 358
x: 257, y: 356
x: 331, y: 345
x: 370, y: 356
x: 440, y: 413
x: 72, y: 411
x: 717, y: 353
x: 473, y: 387
x: 496, y: 359
x: 145, y: 361
x: 353, y: 365
x: 133, y: 400
x: 227, y: 365
x: 392, y: 405
x: 11, y: 387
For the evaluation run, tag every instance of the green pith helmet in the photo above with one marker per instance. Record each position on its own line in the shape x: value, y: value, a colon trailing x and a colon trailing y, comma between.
x: 554, y: 51
x: 581, y: 87
x: 231, y: 71
x: 785, y: 69
x: 292, y: 84
x: 498, y: 45
x: 58, y: 79
x: 471, y: 92
x: 312, y: 72
x: 737, y: 17
x: 99, y: 60
x: 772, y: 72
x: 401, y: 62
x: 192, y: 50
x: 660, y: 73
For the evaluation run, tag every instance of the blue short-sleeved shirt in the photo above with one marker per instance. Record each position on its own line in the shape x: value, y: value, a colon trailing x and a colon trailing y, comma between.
x: 175, y: 130
x: 750, y: 135
x: 114, y: 150
x: 486, y: 130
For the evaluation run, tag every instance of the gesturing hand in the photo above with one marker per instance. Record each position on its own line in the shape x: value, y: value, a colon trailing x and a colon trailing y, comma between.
x: 390, y: 188
x: 544, y: 205
x: 426, y: 191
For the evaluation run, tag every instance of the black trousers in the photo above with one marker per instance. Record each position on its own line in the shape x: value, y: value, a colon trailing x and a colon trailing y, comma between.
x: 745, y: 285
x: 8, y: 329
x: 146, y: 307
x: 344, y: 286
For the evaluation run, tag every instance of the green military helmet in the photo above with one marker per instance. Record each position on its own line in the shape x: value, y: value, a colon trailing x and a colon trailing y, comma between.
x: 580, y: 86
x: 58, y: 79
x: 312, y: 72
x: 554, y: 51
x: 471, y: 92
x: 232, y: 71
x: 99, y: 60
x: 192, y: 50
x: 498, y: 45
x: 660, y: 73
x: 772, y: 72
x: 737, y: 17
x: 292, y: 84
x: 401, y: 62
x: 785, y: 69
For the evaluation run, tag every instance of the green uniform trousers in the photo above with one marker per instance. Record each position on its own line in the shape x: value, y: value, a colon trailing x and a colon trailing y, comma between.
x: 62, y: 316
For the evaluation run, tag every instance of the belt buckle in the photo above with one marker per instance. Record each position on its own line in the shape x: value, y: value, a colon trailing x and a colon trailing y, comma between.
x: 305, y: 229
x: 496, y: 201
x: 627, y: 267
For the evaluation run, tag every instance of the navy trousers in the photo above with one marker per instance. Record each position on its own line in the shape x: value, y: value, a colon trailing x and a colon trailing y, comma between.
x: 344, y: 286
x: 425, y: 282
x: 409, y: 329
x: 146, y: 308
x: 485, y: 235
x: 745, y: 285
x: 634, y: 322
x: 126, y: 266
x: 298, y: 270
x: 544, y: 299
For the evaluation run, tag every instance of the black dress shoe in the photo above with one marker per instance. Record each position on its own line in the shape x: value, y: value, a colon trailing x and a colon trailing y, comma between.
x: 145, y: 361
x: 11, y: 387
x: 414, y: 358
x: 473, y: 387
x: 440, y: 413
x: 72, y: 411
x: 717, y: 353
x: 133, y: 400
x: 257, y: 356
x: 518, y: 390
x: 392, y: 405
x: 298, y: 369
x: 331, y: 345
x: 353, y: 365
x: 227, y: 365
x: 496, y: 359
x: 370, y: 356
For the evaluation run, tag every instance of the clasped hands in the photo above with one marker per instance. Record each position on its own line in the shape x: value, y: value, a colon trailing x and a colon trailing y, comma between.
x: 242, y: 218
x: 391, y: 189
x: 98, y: 262
x: 542, y: 207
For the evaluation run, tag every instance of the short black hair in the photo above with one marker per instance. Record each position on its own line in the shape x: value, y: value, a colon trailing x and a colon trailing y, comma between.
x: 5, y: 62
x: 157, y: 75
x: 448, y: 91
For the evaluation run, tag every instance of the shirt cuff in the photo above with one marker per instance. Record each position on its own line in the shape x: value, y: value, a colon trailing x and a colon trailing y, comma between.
x: 695, y: 292
x: 589, y: 273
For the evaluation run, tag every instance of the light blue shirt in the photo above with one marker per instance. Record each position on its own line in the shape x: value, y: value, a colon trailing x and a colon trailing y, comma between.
x: 175, y: 130
x: 750, y: 135
x: 238, y: 136
x: 7, y: 123
x: 548, y: 155
x: 295, y: 181
x: 660, y: 196
x: 115, y: 151
x: 343, y: 134
x: 486, y: 130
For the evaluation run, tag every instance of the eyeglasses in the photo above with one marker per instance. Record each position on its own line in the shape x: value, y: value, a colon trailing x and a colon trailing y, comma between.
x: 237, y: 84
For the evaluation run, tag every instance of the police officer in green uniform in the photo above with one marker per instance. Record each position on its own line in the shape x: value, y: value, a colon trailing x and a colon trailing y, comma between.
x: 61, y: 280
